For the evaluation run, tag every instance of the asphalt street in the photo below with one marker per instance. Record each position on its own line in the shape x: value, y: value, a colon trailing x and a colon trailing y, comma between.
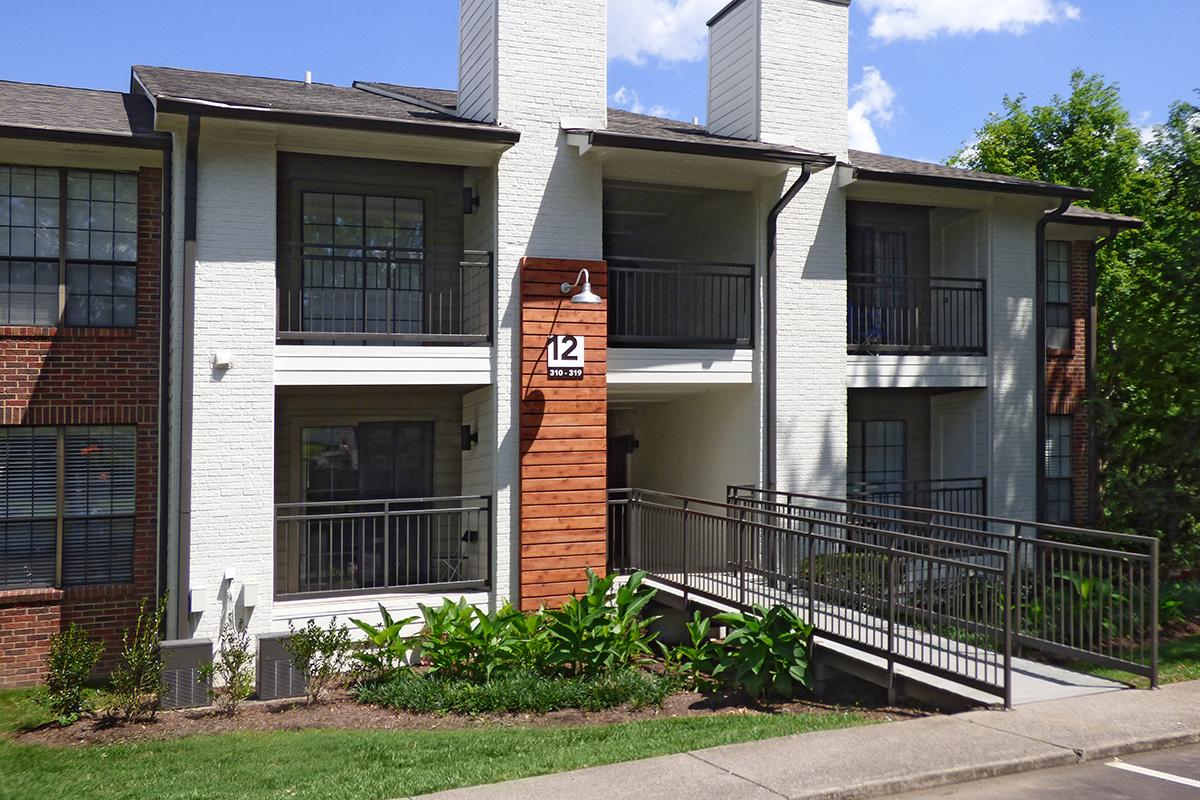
x: 1172, y: 774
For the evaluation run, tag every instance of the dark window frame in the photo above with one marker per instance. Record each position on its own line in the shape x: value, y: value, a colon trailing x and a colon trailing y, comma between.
x: 82, y: 526
x: 109, y: 304
x: 1059, y: 473
x: 1059, y: 329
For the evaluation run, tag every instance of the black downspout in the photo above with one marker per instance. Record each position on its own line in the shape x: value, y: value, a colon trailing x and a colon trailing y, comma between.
x: 164, y: 373
x: 770, y: 470
x: 190, y: 180
x: 1040, y: 323
x: 1092, y: 353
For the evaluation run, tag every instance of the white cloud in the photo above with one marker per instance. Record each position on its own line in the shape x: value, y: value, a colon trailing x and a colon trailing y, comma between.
x: 1146, y: 128
x: 874, y: 99
x: 663, y: 30
x: 921, y: 19
x: 629, y: 100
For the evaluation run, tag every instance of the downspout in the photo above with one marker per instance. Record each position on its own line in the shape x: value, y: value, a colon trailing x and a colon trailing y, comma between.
x: 164, y: 374
x: 1092, y: 351
x: 186, y: 365
x: 770, y: 470
x: 1040, y: 324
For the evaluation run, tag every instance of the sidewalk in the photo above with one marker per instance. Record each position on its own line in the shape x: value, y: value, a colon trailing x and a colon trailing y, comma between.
x: 887, y: 759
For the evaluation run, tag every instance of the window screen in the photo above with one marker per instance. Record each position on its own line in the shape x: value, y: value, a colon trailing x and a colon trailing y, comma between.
x: 1058, y: 295
x: 29, y: 241
x: 1058, y: 469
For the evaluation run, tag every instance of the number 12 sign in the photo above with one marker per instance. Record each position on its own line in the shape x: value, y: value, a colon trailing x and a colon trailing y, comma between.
x: 564, y: 358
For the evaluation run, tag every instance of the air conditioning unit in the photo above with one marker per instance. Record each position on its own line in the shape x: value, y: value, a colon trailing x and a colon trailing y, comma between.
x: 182, y: 659
x: 277, y: 678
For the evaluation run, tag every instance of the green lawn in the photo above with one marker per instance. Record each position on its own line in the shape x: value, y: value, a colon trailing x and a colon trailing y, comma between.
x: 1178, y: 660
x: 355, y: 765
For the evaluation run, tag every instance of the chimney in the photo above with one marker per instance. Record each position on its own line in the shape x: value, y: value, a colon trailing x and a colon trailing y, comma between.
x: 777, y: 72
x: 477, y: 32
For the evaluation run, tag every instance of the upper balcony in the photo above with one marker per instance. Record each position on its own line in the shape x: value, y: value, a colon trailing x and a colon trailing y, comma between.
x: 896, y: 314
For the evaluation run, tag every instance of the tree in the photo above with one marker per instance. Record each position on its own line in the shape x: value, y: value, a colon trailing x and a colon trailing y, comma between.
x: 1147, y: 411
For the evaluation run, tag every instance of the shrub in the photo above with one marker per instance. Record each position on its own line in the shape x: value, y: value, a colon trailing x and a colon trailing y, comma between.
x: 698, y: 658
x: 230, y: 676
x: 590, y: 635
x: 319, y: 654
x: 461, y: 641
x: 766, y: 652
x: 137, y: 682
x: 519, y: 692
x: 1179, y: 602
x: 73, y: 655
x: 386, y: 649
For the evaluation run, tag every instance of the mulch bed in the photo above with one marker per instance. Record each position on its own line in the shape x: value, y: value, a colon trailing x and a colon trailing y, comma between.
x: 340, y: 712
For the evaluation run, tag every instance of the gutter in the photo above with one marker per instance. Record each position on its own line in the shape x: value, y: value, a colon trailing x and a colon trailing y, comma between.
x: 978, y: 185
x: 186, y: 367
x: 770, y: 468
x: 142, y: 141
x: 717, y: 149
x: 1040, y: 324
x: 477, y: 133
x: 166, y: 280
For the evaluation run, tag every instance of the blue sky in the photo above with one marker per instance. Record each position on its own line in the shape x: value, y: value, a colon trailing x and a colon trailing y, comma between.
x: 936, y: 66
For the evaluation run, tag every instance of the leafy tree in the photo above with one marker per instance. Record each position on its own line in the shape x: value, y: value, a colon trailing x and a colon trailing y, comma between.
x: 1148, y: 373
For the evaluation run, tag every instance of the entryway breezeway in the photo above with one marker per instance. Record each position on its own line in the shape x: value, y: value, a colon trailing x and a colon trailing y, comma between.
x: 957, y: 603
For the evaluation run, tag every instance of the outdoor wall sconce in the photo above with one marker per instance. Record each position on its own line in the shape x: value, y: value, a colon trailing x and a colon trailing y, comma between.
x: 470, y: 200
x: 585, y: 296
x: 469, y: 438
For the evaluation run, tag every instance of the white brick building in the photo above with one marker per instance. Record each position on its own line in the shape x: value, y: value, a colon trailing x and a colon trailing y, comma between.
x: 350, y: 383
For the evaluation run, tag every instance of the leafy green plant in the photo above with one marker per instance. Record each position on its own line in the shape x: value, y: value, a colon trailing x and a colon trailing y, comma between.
x: 230, y: 676
x: 1179, y: 602
x: 518, y: 692
x: 137, y: 682
x: 589, y: 635
x: 698, y: 658
x: 461, y: 641
x: 767, y: 652
x: 319, y: 654
x: 73, y: 656
x: 386, y: 649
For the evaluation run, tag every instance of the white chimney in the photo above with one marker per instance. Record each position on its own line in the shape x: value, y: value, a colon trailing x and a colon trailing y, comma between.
x: 477, y: 32
x: 778, y: 72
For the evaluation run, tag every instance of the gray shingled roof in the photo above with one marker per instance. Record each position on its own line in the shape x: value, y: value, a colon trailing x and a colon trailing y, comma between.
x: 38, y: 107
x: 268, y: 96
x: 1086, y: 216
x: 872, y: 166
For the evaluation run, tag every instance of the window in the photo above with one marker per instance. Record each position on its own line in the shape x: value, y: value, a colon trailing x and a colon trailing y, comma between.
x: 877, y: 455
x: 68, y: 247
x: 1058, y: 469
x: 1058, y: 295
x: 363, y: 263
x: 76, y: 484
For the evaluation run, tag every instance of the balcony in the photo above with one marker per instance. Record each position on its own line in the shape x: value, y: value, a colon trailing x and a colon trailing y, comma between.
x: 900, y: 315
x: 956, y: 495
x: 662, y: 303
x: 435, y: 544
x: 332, y: 295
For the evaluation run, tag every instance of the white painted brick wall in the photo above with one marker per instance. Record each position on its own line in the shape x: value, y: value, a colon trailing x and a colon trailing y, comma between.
x: 233, y: 414
x: 548, y: 198
x: 804, y: 73
x: 1013, y: 345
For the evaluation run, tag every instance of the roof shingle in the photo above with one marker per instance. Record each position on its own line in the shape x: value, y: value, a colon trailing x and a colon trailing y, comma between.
x: 879, y: 167
x: 38, y: 107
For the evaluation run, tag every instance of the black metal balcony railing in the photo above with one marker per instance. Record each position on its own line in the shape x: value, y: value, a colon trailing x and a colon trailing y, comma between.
x: 663, y: 303
x: 890, y: 314
x: 343, y: 295
x: 409, y: 544
x: 958, y: 495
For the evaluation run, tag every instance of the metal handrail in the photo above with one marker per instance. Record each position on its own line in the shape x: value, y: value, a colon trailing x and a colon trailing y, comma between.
x: 901, y: 314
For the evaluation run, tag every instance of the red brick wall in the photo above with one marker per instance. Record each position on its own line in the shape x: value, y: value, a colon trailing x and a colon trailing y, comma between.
x: 564, y: 443
x: 1066, y: 381
x: 28, y: 618
x: 73, y: 376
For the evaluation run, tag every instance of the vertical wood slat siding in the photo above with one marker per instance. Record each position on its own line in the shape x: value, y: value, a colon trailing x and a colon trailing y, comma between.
x: 563, y: 437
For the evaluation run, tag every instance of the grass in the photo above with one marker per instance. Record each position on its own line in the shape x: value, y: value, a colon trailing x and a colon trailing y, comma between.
x: 1178, y: 660
x: 357, y: 765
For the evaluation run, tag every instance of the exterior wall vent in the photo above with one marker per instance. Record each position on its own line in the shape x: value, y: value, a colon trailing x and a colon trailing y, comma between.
x: 182, y: 659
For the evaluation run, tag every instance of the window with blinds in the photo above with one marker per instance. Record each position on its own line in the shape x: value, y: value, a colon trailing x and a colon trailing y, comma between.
x: 77, y: 483
x: 1058, y: 482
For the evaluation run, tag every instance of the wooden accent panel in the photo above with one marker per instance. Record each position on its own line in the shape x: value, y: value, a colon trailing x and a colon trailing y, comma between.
x: 564, y: 429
